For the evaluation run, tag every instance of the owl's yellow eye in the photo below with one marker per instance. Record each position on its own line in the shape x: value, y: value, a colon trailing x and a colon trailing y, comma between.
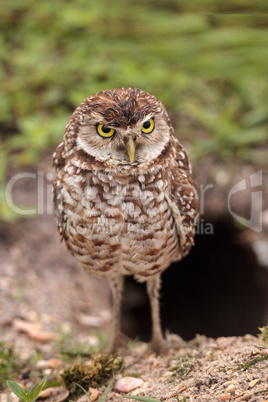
x: 148, y: 126
x: 104, y: 131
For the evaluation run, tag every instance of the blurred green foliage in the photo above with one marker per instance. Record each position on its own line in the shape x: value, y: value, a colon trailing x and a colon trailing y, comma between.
x: 206, y: 60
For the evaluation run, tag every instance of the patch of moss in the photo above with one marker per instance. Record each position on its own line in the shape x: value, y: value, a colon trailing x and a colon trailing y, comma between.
x: 99, y: 370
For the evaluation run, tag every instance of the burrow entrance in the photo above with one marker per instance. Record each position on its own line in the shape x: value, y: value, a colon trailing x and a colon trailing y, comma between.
x: 217, y: 290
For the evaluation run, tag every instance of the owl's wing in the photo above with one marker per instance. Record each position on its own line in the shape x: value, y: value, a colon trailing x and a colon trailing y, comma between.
x: 58, y: 160
x: 62, y: 221
x: 182, y: 198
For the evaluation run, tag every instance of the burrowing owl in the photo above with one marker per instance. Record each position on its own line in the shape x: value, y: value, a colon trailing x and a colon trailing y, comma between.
x: 125, y: 199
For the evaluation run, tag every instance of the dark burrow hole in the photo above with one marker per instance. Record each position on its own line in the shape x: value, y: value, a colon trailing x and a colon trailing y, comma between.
x: 217, y: 290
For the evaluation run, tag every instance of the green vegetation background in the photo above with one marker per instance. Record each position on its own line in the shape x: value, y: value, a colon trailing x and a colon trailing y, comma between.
x: 206, y: 60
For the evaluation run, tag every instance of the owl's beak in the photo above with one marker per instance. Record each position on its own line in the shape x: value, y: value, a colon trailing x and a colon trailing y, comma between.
x: 130, y: 148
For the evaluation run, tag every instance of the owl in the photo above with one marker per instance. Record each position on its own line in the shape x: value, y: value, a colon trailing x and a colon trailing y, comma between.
x: 125, y: 199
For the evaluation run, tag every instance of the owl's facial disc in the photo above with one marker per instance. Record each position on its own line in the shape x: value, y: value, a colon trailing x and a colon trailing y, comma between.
x: 125, y: 141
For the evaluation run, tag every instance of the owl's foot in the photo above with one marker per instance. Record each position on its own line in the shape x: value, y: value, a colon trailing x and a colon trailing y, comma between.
x: 159, y: 346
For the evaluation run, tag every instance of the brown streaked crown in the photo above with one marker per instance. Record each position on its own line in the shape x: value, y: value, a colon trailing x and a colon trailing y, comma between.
x: 123, y: 107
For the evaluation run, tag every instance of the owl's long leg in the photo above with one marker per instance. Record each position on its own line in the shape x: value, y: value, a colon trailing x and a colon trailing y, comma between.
x: 116, y: 285
x: 153, y: 287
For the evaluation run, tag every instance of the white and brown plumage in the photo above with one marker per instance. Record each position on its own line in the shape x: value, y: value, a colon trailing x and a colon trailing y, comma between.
x: 124, y: 195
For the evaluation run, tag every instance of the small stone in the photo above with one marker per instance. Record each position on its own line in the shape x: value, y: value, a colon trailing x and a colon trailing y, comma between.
x: 42, y: 336
x: 91, y: 340
x: 9, y: 397
x: 46, y: 393
x: 55, y: 363
x: 25, y: 326
x: 254, y: 382
x: 57, y: 394
x: 246, y: 396
x: 231, y: 382
x: 224, y: 397
x: 94, y: 394
x: 50, y: 363
x: 213, y: 345
x: 230, y: 389
x: 33, y: 330
x: 127, y: 384
x: 89, y: 320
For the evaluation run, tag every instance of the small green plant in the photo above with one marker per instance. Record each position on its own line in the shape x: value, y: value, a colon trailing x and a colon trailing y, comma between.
x: 183, y: 400
x: 183, y: 367
x: 264, y: 334
x: 71, y: 348
x: 10, y: 364
x: 247, y: 365
x: 107, y: 389
x: 251, y: 363
x: 30, y: 395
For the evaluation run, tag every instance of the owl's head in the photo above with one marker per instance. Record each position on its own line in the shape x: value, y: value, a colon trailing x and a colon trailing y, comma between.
x: 121, y: 127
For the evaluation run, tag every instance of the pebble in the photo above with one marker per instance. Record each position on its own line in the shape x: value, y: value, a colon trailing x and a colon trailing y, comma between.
x: 94, y: 394
x: 50, y: 363
x: 9, y: 397
x: 232, y: 382
x: 33, y: 330
x: 127, y: 384
x: 25, y: 326
x: 91, y: 340
x: 246, y: 396
x: 230, y: 389
x: 42, y: 336
x: 254, y: 382
x: 46, y: 393
x: 59, y: 394
x: 224, y: 397
x: 89, y: 320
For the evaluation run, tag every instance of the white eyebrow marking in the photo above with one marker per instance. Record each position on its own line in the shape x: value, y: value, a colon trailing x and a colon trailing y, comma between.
x: 148, y: 117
